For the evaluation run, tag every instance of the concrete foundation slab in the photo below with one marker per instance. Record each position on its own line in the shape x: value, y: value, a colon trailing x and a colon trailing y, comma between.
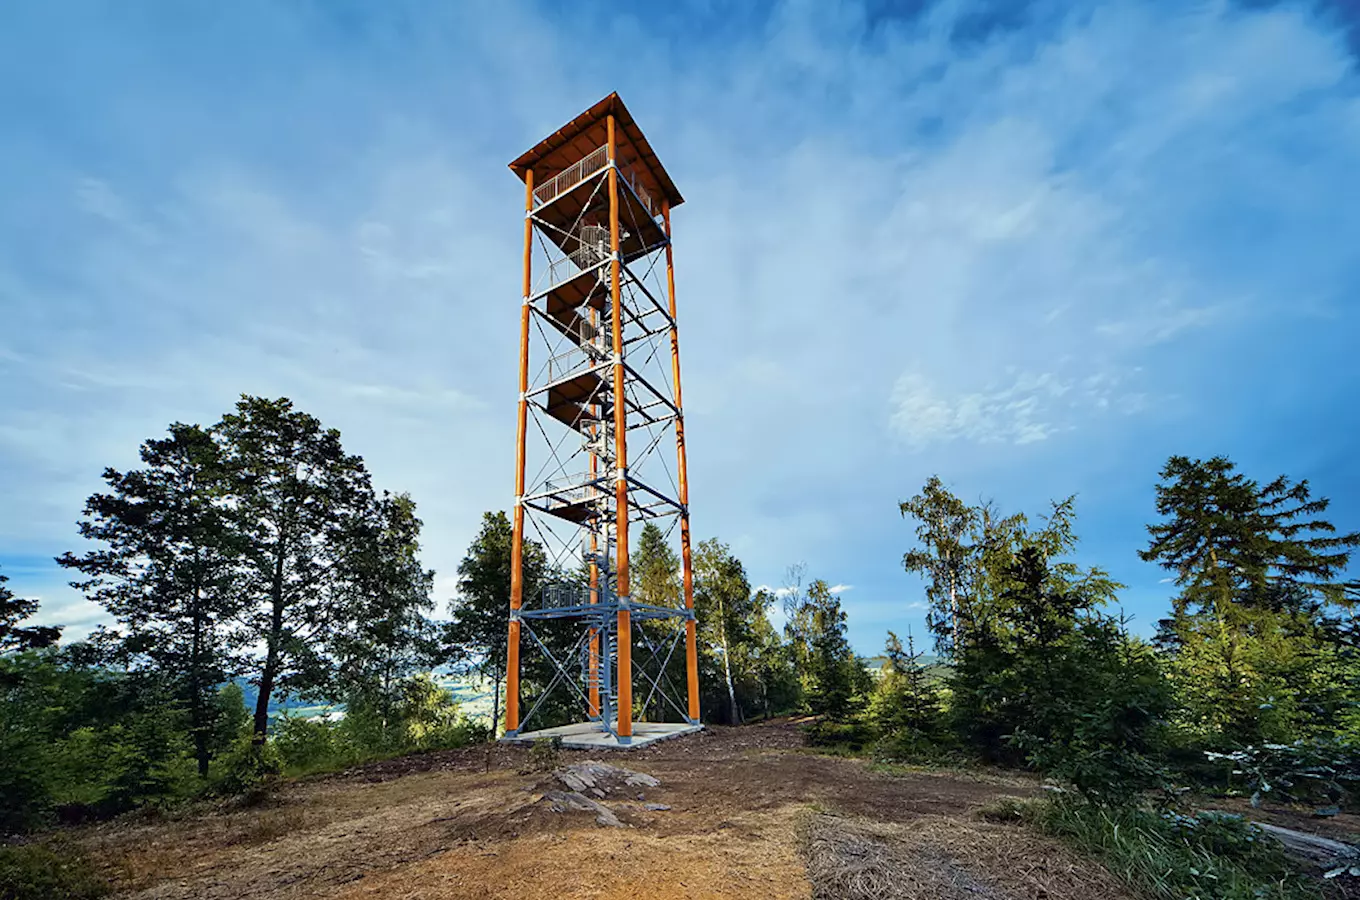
x: 592, y: 736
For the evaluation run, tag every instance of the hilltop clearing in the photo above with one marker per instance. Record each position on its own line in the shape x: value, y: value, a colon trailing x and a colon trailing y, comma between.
x: 736, y: 812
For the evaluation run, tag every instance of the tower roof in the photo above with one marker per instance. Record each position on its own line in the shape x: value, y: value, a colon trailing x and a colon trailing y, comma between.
x: 589, y: 131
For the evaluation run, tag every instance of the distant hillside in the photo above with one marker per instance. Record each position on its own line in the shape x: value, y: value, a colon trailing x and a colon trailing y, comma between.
x: 874, y: 663
x: 472, y: 694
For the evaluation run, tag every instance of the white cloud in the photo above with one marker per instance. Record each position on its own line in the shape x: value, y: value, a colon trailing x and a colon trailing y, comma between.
x: 1029, y: 409
x: 983, y: 245
x: 840, y: 588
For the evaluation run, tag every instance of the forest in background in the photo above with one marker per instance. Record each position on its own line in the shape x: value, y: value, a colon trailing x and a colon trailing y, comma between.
x: 258, y: 550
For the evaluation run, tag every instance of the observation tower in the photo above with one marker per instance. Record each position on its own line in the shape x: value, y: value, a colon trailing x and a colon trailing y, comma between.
x: 600, y: 447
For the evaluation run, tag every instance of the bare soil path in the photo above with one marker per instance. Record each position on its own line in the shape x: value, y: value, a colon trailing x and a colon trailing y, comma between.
x: 748, y: 813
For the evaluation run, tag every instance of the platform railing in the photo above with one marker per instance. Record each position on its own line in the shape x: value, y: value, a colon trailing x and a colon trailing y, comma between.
x: 575, y: 262
x: 571, y: 176
x: 582, y: 169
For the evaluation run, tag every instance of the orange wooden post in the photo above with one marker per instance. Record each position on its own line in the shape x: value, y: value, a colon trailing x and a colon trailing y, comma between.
x: 624, y: 634
x: 593, y: 678
x: 517, y: 540
x: 686, y: 560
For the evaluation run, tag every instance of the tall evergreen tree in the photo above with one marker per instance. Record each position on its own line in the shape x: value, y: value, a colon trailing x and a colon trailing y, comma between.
x: 480, y: 613
x: 1228, y: 539
x: 167, y: 570
x: 1257, y: 566
x: 821, y: 651
x: 654, y: 569
x: 654, y: 577
x: 392, y: 637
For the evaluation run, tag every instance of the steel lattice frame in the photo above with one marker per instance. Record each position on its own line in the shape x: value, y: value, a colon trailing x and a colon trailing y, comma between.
x: 594, y: 421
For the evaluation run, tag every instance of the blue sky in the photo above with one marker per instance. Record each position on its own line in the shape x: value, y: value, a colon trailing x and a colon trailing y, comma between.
x: 1034, y: 248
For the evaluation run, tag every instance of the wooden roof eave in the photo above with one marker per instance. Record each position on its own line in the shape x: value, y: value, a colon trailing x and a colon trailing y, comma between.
x: 573, y: 130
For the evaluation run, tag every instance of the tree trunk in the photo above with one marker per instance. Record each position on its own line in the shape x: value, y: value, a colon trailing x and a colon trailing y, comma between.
x: 197, y: 712
x: 271, y: 662
x: 496, y: 702
x: 764, y: 695
x: 727, y: 667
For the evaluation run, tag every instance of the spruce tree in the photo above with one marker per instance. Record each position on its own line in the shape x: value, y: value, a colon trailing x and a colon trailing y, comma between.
x: 478, y: 630
x: 1258, y: 567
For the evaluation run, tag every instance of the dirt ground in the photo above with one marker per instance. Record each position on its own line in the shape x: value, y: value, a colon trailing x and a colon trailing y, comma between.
x: 748, y: 814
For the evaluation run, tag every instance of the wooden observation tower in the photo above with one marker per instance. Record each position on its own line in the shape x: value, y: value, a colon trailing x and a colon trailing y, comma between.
x: 599, y: 405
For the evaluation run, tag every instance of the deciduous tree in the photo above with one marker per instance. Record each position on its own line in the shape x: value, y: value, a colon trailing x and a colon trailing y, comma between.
x: 304, y: 511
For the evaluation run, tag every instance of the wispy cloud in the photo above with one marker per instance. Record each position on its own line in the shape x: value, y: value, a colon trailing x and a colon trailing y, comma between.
x: 904, y: 250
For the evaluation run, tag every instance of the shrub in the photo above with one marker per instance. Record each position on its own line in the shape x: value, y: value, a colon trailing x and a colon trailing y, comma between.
x: 249, y: 770
x: 25, y: 797
x: 1171, y: 856
x: 545, y: 754
x: 46, y: 871
x: 851, y: 736
x: 307, y: 745
x: 1305, y: 771
x: 908, y: 744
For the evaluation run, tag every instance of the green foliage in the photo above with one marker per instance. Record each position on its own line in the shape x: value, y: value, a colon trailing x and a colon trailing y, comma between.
x: 1048, y: 681
x: 477, y: 633
x: 231, y: 719
x: 946, y: 558
x: 654, y: 577
x: 1257, y: 567
x: 1176, y: 857
x: 906, y: 706
x: 729, y: 622
x: 425, y: 717
x: 248, y: 769
x: 80, y: 742
x: 546, y: 754
x: 393, y: 639
x: 14, y: 636
x: 166, y: 568
x: 311, y: 744
x: 306, y: 520
x: 851, y: 737
x: 1305, y: 771
x: 46, y: 871
x: 829, y: 670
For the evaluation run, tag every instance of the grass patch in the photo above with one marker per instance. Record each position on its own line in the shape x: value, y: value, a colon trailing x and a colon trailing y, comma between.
x: 271, y: 826
x: 1169, y: 856
x: 47, y: 870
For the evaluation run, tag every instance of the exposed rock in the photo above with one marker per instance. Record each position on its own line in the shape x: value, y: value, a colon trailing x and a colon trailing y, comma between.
x: 592, y: 775
x: 562, y: 801
x: 655, y: 807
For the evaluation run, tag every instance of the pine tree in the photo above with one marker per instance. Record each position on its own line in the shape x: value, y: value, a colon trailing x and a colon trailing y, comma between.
x: 654, y: 578
x: 14, y: 636
x: 167, y: 569
x: 906, y: 698
x: 392, y: 637
x: 480, y: 613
